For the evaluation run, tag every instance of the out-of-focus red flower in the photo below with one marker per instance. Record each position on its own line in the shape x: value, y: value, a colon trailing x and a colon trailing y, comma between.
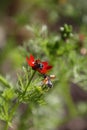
x: 41, y: 67
x: 81, y: 37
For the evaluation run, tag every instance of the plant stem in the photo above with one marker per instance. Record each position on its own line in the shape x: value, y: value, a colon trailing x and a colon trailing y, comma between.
x: 29, y: 82
x: 6, y: 126
x: 14, y: 109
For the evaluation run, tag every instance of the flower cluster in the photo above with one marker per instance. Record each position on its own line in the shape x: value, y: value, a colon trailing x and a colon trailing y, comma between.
x: 42, y: 67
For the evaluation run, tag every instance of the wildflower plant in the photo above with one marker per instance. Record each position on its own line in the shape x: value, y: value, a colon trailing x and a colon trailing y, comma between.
x: 35, y: 81
x: 30, y: 89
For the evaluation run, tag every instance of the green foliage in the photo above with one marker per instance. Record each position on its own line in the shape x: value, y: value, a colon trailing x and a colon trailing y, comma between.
x: 69, y: 65
x: 25, y: 102
x: 29, y: 92
x: 7, y: 95
x: 66, y: 31
x: 4, y: 82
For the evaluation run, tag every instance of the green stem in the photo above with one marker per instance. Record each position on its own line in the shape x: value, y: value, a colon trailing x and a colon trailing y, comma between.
x: 29, y: 83
x: 14, y: 109
x: 6, y: 126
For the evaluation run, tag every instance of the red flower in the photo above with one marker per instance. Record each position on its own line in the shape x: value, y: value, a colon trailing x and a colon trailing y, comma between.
x: 41, y: 67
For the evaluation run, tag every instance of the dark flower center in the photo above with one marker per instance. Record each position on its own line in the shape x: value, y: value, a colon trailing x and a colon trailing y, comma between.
x: 38, y: 65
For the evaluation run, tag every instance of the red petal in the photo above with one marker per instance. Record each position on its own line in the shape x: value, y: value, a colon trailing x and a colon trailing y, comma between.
x: 45, y: 64
x: 49, y: 67
x: 42, y: 71
x: 45, y: 69
x: 30, y: 60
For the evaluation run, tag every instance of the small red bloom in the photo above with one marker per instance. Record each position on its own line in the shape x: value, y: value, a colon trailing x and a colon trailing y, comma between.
x: 81, y: 37
x: 41, y: 67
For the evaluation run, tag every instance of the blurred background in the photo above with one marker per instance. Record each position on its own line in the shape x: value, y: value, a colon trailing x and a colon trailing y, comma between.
x: 33, y: 26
